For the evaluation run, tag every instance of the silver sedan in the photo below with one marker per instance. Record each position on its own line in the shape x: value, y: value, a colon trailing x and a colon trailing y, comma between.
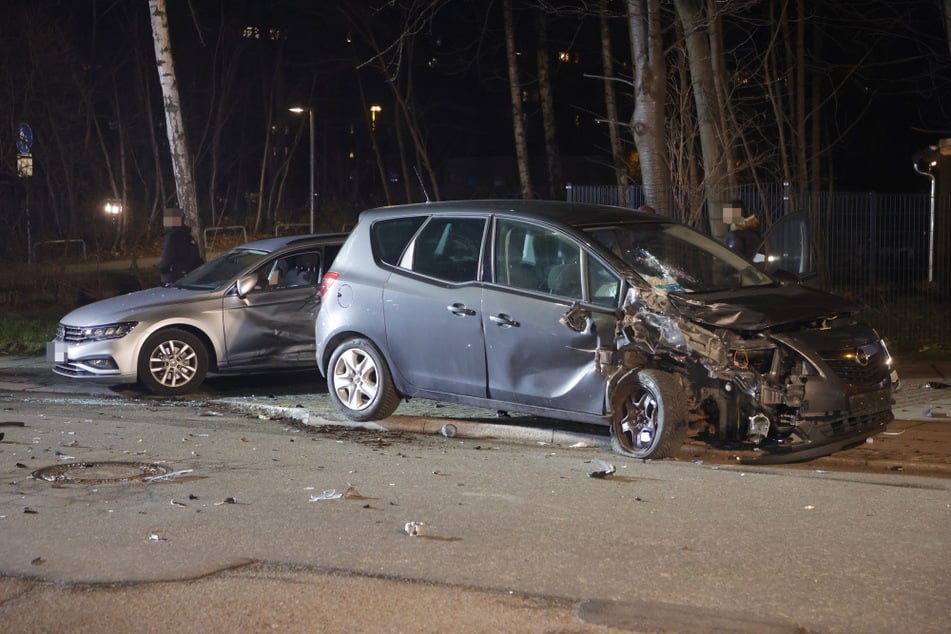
x: 248, y: 310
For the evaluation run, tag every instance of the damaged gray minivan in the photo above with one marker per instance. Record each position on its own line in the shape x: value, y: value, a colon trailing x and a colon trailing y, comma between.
x: 595, y: 314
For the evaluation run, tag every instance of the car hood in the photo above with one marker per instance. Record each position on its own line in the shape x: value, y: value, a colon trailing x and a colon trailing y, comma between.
x: 761, y: 308
x: 128, y: 307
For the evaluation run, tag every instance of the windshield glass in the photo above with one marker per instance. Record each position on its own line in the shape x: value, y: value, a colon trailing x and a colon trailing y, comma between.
x: 676, y: 259
x: 220, y: 271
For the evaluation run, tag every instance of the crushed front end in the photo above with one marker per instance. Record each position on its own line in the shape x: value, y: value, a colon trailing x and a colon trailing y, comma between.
x: 794, y: 388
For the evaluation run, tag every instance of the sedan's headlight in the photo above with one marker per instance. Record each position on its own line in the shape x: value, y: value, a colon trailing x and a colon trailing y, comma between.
x: 108, y: 331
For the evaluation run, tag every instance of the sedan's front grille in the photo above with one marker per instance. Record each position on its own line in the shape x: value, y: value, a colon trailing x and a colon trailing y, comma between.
x: 70, y: 334
x: 847, y: 367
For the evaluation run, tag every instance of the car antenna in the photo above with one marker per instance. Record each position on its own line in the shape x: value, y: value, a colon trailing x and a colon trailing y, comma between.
x: 421, y: 185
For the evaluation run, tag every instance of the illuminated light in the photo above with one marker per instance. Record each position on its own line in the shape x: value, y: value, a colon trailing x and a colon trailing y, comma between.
x: 113, y: 207
x: 564, y: 56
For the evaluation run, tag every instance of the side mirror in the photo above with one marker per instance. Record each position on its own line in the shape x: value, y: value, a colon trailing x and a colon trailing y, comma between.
x: 246, y: 284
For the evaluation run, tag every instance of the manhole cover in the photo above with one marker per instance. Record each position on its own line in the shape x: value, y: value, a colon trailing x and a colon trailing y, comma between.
x: 99, y: 472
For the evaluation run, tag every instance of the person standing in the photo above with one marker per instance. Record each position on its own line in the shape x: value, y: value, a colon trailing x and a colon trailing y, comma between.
x: 180, y: 253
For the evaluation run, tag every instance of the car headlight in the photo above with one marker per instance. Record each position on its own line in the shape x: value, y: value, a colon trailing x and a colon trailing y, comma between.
x: 108, y: 331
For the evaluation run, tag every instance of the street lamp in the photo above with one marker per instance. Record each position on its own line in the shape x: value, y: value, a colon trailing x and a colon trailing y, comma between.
x: 310, y: 121
x: 375, y: 110
x: 113, y: 208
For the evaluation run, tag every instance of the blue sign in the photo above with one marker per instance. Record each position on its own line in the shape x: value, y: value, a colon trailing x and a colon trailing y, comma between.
x: 24, y: 138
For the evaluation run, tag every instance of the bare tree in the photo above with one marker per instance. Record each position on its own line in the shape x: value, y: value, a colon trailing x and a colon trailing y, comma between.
x: 610, y: 103
x: 178, y: 146
x: 515, y: 91
x: 546, y: 95
x: 647, y: 123
x: 700, y: 35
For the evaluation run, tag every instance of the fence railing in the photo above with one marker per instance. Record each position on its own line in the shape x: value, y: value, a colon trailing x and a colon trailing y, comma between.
x: 871, y: 248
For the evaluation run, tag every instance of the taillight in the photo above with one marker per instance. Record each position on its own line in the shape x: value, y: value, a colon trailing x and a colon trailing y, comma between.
x: 328, y: 280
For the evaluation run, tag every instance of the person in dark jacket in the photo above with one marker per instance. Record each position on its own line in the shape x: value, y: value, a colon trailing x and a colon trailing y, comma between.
x: 744, y: 237
x: 180, y: 254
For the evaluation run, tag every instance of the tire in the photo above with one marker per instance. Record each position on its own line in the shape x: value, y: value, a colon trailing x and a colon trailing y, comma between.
x: 649, y: 416
x: 172, y: 362
x: 360, y: 383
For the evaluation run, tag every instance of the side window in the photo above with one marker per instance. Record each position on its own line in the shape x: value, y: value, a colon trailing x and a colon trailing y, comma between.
x: 291, y: 271
x: 447, y: 249
x: 537, y: 259
x: 604, y: 286
x: 390, y: 237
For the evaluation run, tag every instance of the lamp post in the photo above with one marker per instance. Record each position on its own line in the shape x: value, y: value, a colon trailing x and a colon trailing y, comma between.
x: 310, y: 125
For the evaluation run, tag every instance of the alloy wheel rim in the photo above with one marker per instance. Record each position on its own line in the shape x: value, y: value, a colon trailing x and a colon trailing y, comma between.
x: 355, y: 379
x: 173, y: 363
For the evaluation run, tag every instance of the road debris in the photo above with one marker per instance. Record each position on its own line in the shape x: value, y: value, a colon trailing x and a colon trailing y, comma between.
x: 414, y: 529
x: 333, y: 494
x: 448, y: 430
x: 167, y: 476
x: 602, y: 469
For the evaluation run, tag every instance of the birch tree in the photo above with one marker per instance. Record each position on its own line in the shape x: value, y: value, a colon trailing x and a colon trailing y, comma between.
x: 177, y: 140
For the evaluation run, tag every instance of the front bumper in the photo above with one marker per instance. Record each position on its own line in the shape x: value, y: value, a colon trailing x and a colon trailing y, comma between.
x: 93, y: 359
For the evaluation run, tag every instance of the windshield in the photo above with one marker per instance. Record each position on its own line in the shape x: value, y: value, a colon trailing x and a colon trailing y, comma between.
x: 674, y: 258
x: 220, y: 271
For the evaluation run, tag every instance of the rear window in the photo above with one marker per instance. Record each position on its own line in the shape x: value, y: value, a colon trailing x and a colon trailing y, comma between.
x: 390, y: 237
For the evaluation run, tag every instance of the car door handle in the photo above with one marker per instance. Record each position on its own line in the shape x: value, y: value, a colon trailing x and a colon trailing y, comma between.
x: 460, y: 310
x: 504, y: 321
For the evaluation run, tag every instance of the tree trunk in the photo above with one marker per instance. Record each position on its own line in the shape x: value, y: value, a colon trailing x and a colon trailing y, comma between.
x: 647, y: 122
x: 610, y: 106
x: 178, y: 146
x: 556, y: 189
x: 515, y: 91
x: 709, y: 120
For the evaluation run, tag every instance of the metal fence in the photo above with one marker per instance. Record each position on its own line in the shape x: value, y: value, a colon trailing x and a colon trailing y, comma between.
x: 871, y: 248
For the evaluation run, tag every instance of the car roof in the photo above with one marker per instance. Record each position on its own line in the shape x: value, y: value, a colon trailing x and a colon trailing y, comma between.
x: 569, y: 213
x: 270, y: 245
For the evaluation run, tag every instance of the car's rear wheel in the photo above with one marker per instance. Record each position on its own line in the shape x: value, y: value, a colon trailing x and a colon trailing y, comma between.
x: 359, y: 382
x: 172, y: 362
x: 649, y: 416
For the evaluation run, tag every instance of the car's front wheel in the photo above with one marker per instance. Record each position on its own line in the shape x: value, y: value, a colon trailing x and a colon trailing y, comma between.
x: 649, y: 416
x: 172, y: 362
x: 359, y: 381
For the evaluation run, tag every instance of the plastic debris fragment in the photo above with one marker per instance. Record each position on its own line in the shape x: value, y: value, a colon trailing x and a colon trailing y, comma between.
x: 448, y: 430
x: 602, y: 469
x: 414, y: 529
x: 167, y: 476
x: 327, y: 494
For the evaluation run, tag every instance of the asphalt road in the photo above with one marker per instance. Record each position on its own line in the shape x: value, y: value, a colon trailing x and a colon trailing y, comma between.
x: 512, y: 535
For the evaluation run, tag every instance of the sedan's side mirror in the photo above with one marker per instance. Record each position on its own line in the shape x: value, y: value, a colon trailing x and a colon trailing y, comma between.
x: 246, y: 284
